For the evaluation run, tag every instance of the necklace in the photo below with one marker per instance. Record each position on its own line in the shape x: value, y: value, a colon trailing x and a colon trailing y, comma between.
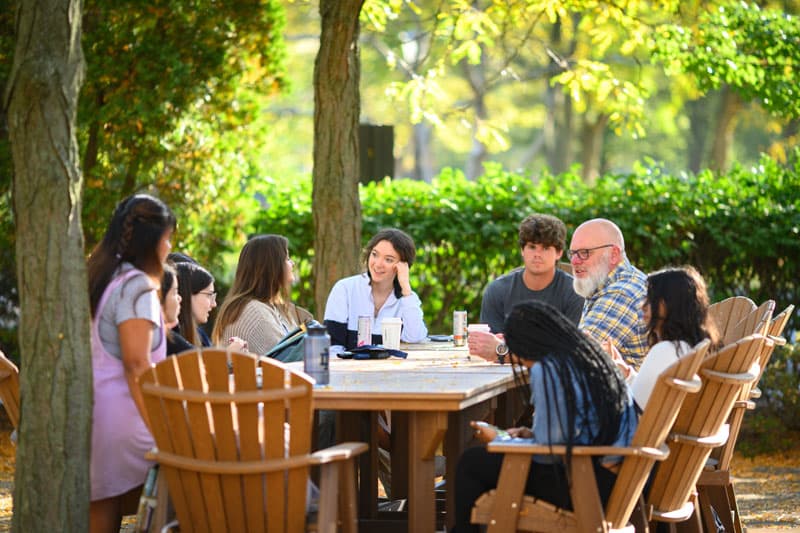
x: 379, y: 299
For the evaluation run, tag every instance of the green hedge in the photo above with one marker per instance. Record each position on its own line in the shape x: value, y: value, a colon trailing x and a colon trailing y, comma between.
x: 739, y: 229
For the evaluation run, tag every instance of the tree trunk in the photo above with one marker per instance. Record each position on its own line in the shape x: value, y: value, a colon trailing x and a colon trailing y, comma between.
x: 559, y: 120
x: 592, y: 147
x: 423, y: 154
x: 52, y: 469
x: 727, y: 116
x: 699, y: 118
x: 476, y: 77
x: 335, y: 202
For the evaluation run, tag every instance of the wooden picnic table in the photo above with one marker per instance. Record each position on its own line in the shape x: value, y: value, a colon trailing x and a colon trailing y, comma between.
x: 431, y: 395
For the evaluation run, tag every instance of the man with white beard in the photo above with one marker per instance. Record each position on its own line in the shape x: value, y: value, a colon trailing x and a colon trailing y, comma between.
x: 613, y: 288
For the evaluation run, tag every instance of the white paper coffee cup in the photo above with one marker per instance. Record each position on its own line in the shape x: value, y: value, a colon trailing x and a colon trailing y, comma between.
x: 479, y: 327
x: 390, y: 331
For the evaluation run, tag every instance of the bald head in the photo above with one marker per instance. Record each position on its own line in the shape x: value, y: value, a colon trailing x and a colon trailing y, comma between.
x: 596, y: 232
x: 597, y: 248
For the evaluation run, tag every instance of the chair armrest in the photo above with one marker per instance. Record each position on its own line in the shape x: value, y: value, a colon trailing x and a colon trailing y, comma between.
x: 779, y: 341
x: 540, y: 449
x: 710, y: 441
x: 744, y: 404
x: 340, y: 452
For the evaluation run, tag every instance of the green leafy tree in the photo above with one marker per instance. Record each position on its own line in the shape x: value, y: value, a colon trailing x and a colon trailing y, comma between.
x: 750, y: 53
x: 171, y: 90
x: 152, y: 66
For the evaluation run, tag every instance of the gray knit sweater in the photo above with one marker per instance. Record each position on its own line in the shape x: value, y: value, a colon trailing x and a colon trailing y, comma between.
x: 263, y: 325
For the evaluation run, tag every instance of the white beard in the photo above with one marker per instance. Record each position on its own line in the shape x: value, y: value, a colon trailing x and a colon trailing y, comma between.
x: 586, y: 287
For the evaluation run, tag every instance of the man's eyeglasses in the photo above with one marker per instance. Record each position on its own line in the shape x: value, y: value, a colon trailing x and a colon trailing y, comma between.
x: 212, y: 295
x: 584, y: 253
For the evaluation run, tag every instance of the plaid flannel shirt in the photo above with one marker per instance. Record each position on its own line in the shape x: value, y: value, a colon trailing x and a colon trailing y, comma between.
x: 614, y: 312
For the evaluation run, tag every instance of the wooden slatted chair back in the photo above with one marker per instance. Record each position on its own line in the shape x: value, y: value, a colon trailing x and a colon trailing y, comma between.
x: 728, y: 312
x: 9, y: 388
x: 722, y: 456
x: 700, y: 427
x: 658, y: 416
x: 232, y: 445
x: 715, y: 486
x: 779, y: 322
x: 757, y: 321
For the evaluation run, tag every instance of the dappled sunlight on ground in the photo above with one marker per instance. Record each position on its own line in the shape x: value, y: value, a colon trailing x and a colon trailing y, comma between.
x: 768, y: 489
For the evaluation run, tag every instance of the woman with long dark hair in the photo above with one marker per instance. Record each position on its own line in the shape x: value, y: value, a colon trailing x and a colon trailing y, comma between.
x: 125, y: 271
x: 676, y: 313
x: 196, y: 287
x: 579, y: 397
x: 258, y: 307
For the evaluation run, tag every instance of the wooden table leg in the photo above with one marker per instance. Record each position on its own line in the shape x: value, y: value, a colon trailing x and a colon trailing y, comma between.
x: 422, y: 434
x: 360, y: 426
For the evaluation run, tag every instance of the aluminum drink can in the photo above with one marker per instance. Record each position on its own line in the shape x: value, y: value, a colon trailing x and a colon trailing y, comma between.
x: 364, y: 330
x: 459, y: 328
x: 316, y: 354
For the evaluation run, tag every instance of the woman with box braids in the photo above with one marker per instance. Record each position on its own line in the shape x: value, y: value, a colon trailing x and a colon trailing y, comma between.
x: 579, y: 397
x: 125, y: 271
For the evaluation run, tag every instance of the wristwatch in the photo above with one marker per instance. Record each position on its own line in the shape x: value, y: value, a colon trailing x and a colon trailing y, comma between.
x: 501, y: 350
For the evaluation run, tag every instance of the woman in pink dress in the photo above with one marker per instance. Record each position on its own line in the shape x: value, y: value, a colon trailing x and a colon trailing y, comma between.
x: 125, y: 271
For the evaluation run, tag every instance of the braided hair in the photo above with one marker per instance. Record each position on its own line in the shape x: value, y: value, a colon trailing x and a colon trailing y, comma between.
x: 137, y: 226
x: 538, y: 332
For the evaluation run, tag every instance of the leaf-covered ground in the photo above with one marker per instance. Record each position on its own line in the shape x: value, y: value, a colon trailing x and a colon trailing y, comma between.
x: 767, y: 486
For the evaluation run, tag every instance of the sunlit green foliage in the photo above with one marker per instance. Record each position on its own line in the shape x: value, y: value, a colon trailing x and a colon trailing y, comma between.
x: 754, y: 50
x: 161, y: 94
x: 165, y: 107
x: 601, y: 61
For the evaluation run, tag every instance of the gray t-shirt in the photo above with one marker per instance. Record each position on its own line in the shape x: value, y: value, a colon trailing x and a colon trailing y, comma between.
x: 502, y: 294
x: 136, y: 297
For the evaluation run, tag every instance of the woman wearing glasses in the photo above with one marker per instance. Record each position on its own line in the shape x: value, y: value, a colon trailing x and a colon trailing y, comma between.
x: 258, y: 307
x: 196, y: 287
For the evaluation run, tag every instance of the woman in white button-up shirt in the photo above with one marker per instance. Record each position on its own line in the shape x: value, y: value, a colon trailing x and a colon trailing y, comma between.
x: 383, y: 290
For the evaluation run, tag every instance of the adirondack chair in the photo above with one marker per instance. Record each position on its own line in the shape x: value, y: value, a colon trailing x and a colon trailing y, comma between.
x: 234, y: 448
x: 715, y: 488
x: 779, y: 322
x: 9, y: 389
x: 507, y: 509
x: 699, y: 428
x: 727, y: 313
x: 757, y: 321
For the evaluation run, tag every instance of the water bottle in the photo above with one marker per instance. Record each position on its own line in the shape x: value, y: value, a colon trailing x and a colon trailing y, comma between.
x: 315, y: 357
